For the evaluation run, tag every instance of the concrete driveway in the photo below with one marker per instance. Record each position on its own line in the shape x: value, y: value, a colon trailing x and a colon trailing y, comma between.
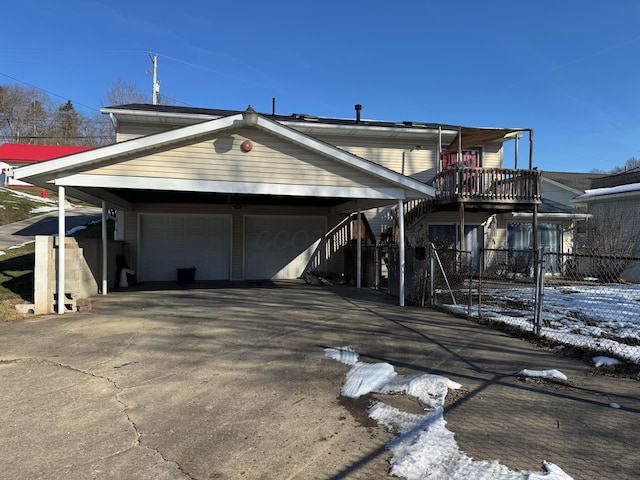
x: 230, y: 382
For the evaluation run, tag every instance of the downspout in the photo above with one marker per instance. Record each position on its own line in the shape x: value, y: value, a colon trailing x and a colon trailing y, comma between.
x: 516, y: 151
x: 531, y: 149
x: 359, y: 252
x: 401, y: 249
x: 104, y: 247
x: 61, y: 249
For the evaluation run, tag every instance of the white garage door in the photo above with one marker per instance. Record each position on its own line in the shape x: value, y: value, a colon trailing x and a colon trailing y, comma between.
x: 280, y: 246
x: 169, y: 242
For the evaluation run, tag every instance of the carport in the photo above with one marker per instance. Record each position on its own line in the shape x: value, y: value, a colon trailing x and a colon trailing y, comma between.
x: 242, y: 162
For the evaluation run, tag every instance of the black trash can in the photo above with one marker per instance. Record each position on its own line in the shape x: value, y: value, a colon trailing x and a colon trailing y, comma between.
x: 187, y: 275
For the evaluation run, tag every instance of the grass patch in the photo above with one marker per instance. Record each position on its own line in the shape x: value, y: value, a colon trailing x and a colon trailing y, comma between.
x: 16, y: 280
x: 14, y: 208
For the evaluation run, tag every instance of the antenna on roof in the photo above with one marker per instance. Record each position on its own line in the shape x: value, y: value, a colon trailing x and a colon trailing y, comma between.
x: 156, y: 84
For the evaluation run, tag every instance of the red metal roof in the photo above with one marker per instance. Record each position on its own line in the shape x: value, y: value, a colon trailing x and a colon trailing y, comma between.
x: 24, y: 153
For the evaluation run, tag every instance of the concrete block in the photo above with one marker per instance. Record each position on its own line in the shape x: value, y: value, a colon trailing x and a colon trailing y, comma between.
x: 26, y: 308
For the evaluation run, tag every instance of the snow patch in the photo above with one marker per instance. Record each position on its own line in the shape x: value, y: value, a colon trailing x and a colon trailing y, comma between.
x: 424, y: 448
x: 52, y: 208
x: 344, y: 355
x: 553, y: 373
x: 600, y: 361
x: 365, y: 378
x: 76, y: 229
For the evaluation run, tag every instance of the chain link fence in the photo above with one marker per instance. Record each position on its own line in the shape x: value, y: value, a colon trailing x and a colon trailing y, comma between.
x: 589, y: 302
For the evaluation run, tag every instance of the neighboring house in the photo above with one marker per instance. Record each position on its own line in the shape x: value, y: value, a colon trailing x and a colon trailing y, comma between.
x: 15, y: 155
x: 247, y: 196
x: 558, y: 220
x: 613, y: 227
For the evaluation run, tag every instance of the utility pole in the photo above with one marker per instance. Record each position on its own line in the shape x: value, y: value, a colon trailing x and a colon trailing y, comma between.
x: 156, y: 84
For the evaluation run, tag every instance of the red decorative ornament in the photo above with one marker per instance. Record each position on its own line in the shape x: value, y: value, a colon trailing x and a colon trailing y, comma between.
x: 247, y: 146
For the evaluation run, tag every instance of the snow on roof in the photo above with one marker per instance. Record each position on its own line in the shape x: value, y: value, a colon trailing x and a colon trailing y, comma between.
x: 600, y: 192
x: 25, y: 153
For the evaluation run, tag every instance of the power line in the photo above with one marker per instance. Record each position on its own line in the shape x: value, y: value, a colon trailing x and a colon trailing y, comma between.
x: 48, y: 92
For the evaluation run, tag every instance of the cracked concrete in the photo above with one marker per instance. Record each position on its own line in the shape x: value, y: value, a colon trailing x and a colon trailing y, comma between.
x: 225, y: 383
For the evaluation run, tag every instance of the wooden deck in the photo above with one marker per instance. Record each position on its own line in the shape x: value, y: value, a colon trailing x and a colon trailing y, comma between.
x: 491, y: 188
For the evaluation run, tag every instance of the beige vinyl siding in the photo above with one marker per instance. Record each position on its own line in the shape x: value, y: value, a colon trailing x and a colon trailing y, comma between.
x: 131, y: 234
x: 492, y: 157
x: 271, y: 160
x: 398, y: 156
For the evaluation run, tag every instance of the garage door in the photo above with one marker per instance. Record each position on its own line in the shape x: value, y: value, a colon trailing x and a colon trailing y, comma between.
x: 169, y: 242
x: 280, y: 246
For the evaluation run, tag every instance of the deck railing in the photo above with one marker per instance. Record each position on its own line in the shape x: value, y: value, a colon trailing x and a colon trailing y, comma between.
x: 488, y: 185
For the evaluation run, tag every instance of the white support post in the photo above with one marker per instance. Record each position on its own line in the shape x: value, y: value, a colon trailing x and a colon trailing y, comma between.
x: 439, y: 155
x: 401, y: 249
x: 61, y: 249
x: 104, y: 248
x: 359, y: 252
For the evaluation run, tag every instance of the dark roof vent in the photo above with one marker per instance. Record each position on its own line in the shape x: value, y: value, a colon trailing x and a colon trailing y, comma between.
x: 358, y: 107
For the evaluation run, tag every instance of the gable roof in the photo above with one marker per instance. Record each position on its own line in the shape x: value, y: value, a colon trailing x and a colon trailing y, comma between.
x: 61, y: 170
x: 25, y: 153
x: 579, y: 182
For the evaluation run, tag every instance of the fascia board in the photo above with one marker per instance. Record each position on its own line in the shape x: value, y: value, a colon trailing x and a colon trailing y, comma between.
x: 353, y: 130
x: 593, y: 196
x: 129, y: 147
x: 344, y: 157
x: 552, y: 216
x: 249, y: 188
x: 157, y: 117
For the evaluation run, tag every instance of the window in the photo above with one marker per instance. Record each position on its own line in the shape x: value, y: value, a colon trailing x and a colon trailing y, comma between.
x: 520, y: 242
x: 447, y: 236
x: 470, y: 158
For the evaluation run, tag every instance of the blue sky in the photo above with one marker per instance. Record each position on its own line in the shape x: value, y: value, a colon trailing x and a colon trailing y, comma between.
x: 568, y: 69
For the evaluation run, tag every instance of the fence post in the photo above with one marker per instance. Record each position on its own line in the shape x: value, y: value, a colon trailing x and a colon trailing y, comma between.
x: 469, y: 268
x: 480, y: 273
x: 539, y: 290
x: 431, y: 283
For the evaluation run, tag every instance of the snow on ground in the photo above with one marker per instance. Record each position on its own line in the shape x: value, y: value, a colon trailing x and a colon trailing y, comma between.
x: 424, y: 448
x: 51, y: 208
x: 553, y: 373
x: 603, y: 318
x: 605, y: 361
x: 49, y: 204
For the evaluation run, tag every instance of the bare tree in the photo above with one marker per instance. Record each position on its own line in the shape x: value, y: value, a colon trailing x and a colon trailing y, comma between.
x: 24, y: 114
x: 122, y: 92
x: 612, y: 236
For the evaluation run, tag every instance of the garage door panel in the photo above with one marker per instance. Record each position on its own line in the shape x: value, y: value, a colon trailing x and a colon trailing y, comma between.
x: 280, y: 246
x: 169, y: 242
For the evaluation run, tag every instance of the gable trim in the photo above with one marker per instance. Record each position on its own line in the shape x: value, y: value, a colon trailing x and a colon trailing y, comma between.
x: 134, y: 146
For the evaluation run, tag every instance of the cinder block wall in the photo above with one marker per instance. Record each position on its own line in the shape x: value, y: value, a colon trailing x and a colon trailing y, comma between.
x: 83, y: 269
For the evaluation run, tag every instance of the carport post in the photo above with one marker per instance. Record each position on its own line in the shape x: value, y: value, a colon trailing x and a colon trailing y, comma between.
x: 104, y: 247
x: 61, y: 248
x: 401, y: 249
x: 359, y: 252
